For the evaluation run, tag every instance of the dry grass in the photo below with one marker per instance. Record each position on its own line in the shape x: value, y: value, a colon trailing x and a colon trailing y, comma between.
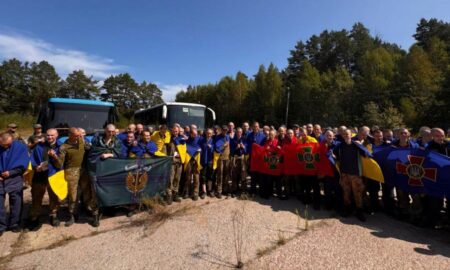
x: 66, y: 239
x: 238, y: 220
x: 282, y: 240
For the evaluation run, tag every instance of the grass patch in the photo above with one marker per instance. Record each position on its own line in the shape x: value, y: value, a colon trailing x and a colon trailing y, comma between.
x: 24, y: 121
x: 282, y: 240
x: 66, y: 239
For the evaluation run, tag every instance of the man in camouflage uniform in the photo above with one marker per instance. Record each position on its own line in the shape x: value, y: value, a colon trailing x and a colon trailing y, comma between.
x: 71, y: 153
x: 37, y: 136
x: 177, y: 166
x: 12, y: 129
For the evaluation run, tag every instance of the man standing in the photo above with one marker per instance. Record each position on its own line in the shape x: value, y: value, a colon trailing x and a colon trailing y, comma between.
x: 348, y: 154
x: 206, y: 160
x: 71, y: 153
x: 14, y: 160
x: 433, y: 205
x: 44, y: 155
x: 148, y: 147
x: 222, y: 148
x: 238, y: 147
x: 37, y: 136
x: 12, y: 129
x: 161, y: 138
x: 130, y: 148
x: 192, y: 166
x: 255, y: 136
x: 177, y: 165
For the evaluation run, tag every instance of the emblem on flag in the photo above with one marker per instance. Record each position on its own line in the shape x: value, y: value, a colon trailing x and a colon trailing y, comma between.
x: 415, y: 171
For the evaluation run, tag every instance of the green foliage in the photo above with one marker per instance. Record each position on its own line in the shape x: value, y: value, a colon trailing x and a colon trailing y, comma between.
x: 23, y: 121
x: 78, y: 85
x: 26, y: 87
x: 345, y: 77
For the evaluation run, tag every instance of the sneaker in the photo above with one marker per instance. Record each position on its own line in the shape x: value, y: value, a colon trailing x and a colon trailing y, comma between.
x: 177, y: 198
x: 195, y: 198
x: 203, y: 196
x: 54, y: 221
x: 185, y: 196
x: 219, y: 196
x: 70, y: 222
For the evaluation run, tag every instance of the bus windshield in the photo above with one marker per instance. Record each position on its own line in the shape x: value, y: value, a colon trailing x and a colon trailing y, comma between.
x: 186, y: 115
x: 90, y: 117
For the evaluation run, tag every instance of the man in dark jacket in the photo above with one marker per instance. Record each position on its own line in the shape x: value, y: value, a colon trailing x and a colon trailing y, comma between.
x: 348, y: 154
x: 14, y: 160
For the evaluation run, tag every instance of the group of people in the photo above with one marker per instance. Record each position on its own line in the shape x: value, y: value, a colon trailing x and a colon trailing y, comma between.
x: 216, y: 164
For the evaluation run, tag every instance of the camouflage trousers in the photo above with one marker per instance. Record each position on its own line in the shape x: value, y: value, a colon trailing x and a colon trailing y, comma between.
x: 175, y: 175
x: 352, y: 184
x: 223, y: 175
x: 72, y: 176
x: 192, y: 173
x: 38, y: 187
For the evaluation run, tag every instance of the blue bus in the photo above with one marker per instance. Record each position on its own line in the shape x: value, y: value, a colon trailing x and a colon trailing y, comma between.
x: 63, y: 113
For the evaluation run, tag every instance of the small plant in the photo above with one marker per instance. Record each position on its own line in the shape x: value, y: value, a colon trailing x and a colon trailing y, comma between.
x: 281, y: 239
x: 238, y: 228
x: 306, y: 217
x: 299, y: 218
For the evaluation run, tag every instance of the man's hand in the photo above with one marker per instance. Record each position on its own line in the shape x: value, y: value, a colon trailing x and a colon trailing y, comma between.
x: 52, y: 153
x: 5, y: 174
x: 106, y: 156
x: 1, y: 179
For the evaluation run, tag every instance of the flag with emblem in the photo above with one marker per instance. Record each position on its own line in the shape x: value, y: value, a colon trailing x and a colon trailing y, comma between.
x: 301, y: 159
x: 128, y: 181
x: 417, y: 171
x: 266, y: 161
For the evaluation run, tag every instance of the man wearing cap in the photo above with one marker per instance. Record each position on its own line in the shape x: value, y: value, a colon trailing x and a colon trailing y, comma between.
x: 37, y: 136
x: 13, y: 162
x: 12, y: 129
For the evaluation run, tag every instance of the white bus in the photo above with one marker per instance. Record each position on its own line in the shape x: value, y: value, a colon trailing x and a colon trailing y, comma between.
x: 176, y: 112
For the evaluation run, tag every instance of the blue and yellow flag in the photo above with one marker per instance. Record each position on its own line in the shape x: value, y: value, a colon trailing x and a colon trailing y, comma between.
x: 56, y: 178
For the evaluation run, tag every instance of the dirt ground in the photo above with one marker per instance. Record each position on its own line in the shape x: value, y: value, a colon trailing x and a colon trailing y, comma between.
x: 212, y: 234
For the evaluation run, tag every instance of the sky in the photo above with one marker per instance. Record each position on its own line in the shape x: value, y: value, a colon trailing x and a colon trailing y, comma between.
x: 188, y: 42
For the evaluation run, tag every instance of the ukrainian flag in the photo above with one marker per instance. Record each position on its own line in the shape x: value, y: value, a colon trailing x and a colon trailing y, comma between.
x: 57, y: 181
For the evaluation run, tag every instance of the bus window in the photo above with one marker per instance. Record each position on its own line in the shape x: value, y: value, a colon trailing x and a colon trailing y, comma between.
x: 186, y: 115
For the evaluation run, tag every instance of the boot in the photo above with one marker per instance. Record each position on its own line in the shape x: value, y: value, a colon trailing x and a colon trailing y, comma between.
x: 169, y: 199
x: 54, y: 221
x: 176, y: 198
x: 34, y: 225
x: 360, y: 215
x: 96, y: 221
x: 70, y: 222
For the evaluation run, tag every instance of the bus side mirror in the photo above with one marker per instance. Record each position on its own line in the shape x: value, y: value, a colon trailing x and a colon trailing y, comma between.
x: 213, y: 113
x: 164, y: 112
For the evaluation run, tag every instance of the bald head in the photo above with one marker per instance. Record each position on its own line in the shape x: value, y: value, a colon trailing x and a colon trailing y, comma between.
x: 6, y: 139
x: 438, y: 135
x: 52, y: 135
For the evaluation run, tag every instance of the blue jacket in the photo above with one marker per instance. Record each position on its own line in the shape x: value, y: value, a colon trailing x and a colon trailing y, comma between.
x: 14, y: 160
x: 233, y: 146
x: 252, y: 138
x: 207, y: 147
